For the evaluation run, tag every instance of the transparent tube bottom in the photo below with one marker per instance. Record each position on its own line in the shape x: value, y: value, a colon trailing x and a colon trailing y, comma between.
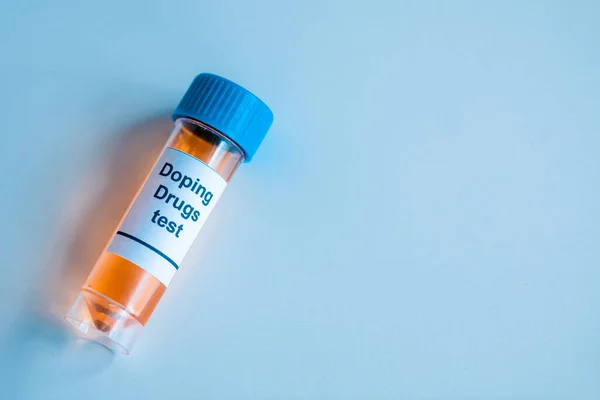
x: 99, y: 318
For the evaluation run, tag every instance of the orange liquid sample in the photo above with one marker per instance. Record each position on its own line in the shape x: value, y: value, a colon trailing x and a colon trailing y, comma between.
x: 119, y: 280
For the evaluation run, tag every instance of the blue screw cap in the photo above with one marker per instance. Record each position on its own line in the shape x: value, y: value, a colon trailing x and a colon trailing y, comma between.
x: 228, y: 108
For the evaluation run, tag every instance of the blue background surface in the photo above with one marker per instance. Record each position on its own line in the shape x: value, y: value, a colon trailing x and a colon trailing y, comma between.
x: 423, y: 220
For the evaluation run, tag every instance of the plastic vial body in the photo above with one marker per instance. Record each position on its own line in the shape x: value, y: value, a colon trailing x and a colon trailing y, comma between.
x: 134, y: 270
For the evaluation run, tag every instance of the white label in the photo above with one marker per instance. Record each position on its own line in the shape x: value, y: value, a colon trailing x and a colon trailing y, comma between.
x: 168, y: 214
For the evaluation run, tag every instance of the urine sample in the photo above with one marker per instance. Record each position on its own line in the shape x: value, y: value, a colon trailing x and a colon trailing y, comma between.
x: 218, y: 126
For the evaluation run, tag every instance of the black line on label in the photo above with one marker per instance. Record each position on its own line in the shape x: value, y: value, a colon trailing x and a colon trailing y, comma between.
x: 154, y: 249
